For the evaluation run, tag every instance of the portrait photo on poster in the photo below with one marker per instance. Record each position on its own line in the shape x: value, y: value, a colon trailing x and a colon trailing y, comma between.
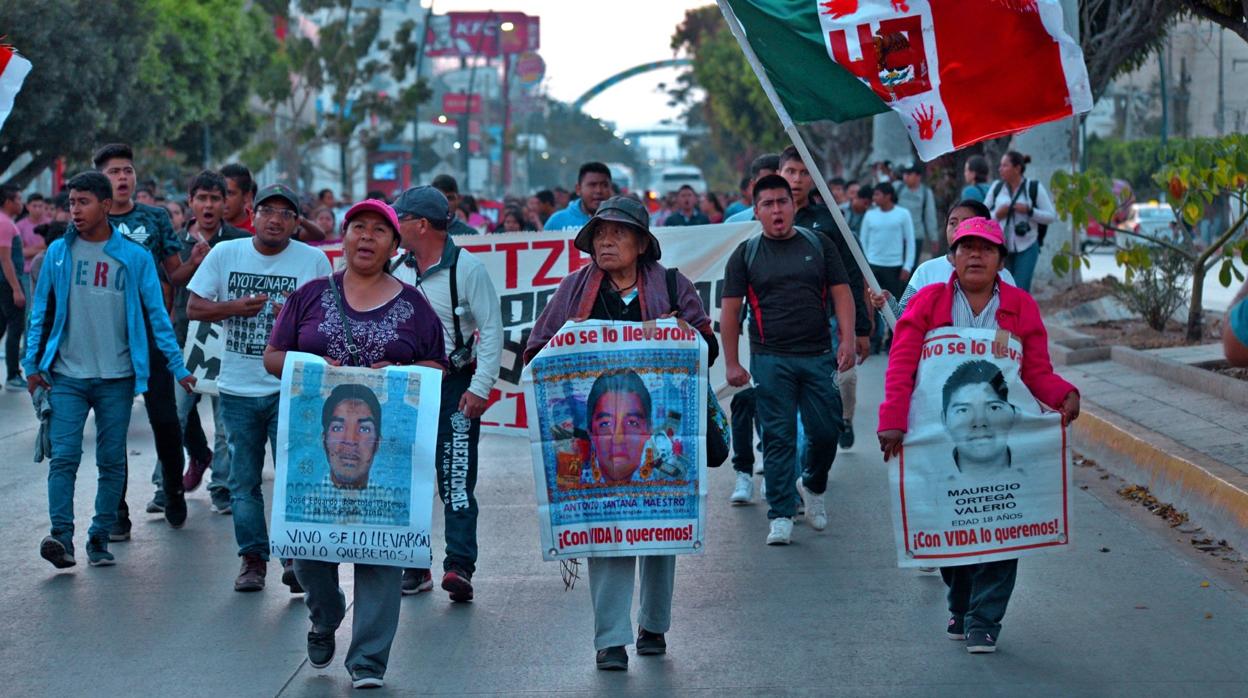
x: 351, y: 440
x: 609, y: 429
x: 984, y: 470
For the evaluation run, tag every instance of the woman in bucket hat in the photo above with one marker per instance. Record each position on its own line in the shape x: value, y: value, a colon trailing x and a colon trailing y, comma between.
x: 624, y: 282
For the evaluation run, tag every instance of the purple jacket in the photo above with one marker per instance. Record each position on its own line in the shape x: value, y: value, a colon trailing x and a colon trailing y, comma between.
x: 574, y: 300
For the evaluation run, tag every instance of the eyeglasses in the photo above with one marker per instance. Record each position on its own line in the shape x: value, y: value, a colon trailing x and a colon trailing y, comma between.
x: 282, y: 212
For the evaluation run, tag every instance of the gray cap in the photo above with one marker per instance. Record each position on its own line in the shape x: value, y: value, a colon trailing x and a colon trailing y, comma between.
x: 620, y: 209
x: 422, y: 202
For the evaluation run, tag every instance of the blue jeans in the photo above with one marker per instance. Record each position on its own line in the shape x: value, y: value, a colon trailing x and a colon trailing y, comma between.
x: 249, y: 421
x: 785, y: 385
x: 1023, y: 266
x: 71, y: 399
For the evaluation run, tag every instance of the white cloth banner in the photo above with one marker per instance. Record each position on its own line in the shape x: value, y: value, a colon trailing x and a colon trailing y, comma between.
x: 983, y: 473
x: 618, y: 422
x: 354, y: 473
x: 527, y: 267
x: 205, y: 343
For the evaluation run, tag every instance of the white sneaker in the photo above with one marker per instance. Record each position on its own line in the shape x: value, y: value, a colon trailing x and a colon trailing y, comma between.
x: 816, y: 511
x: 743, y: 493
x: 781, y: 532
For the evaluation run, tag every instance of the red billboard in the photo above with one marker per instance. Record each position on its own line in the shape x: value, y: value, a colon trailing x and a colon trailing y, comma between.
x: 460, y: 103
x: 487, y: 34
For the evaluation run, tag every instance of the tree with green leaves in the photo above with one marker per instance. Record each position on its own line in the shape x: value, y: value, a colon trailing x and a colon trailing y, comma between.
x: 1195, y: 173
x: 348, y: 58
x: 148, y: 72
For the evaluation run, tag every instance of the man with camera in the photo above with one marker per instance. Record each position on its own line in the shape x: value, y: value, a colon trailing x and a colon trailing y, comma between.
x: 461, y: 292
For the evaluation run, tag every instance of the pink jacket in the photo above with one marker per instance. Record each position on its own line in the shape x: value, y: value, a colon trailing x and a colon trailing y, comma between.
x: 932, y: 307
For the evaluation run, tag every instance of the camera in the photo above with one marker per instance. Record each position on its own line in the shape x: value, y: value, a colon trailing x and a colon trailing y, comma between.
x: 1021, y: 228
x: 461, y: 358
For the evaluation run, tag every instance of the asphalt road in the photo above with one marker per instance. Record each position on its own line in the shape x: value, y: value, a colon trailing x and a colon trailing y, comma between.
x: 829, y: 615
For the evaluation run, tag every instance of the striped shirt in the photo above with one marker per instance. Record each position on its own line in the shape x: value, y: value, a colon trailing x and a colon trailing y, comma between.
x: 963, y: 316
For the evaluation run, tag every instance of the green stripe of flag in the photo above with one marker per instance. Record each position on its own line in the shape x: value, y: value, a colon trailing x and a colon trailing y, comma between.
x: 788, y: 40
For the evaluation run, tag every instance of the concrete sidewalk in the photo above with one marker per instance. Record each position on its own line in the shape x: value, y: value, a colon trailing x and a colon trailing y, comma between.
x: 829, y: 615
x: 1186, y: 445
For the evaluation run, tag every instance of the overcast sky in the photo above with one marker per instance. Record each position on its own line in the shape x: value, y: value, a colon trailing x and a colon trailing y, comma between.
x: 586, y: 41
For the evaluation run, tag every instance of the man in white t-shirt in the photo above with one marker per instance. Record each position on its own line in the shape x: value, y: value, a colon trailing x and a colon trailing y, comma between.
x: 887, y: 238
x: 242, y: 284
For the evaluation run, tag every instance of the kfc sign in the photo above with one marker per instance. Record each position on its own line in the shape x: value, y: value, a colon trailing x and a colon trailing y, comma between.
x: 481, y: 34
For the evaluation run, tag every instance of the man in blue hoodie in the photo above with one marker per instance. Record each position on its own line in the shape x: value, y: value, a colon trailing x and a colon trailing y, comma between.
x: 88, y: 345
x: 593, y: 186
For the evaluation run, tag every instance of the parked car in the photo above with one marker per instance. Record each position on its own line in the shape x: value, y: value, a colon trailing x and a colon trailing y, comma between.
x: 1155, y: 220
x: 1102, y: 236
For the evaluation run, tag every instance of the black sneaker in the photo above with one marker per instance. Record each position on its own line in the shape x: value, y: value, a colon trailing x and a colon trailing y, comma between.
x: 120, y: 530
x: 416, y: 581
x: 320, y: 649
x: 157, y: 505
x: 458, y: 583
x: 175, y: 509
x: 97, y: 552
x: 955, y: 629
x: 56, y: 552
x: 847, y: 436
x: 289, y: 578
x: 613, y: 659
x: 649, y: 643
x: 980, y: 642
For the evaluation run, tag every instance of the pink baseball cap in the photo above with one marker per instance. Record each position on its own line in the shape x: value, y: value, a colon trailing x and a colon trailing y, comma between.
x: 379, y: 207
x: 979, y: 228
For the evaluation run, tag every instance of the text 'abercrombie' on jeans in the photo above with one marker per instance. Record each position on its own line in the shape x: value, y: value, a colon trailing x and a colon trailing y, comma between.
x: 457, y: 473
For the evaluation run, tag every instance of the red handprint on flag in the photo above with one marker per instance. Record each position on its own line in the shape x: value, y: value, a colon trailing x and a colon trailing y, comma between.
x: 900, y: 6
x: 925, y: 118
x: 840, y: 8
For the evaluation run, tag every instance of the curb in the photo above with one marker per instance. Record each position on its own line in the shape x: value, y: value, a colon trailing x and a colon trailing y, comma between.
x: 1214, y: 493
x: 1186, y: 375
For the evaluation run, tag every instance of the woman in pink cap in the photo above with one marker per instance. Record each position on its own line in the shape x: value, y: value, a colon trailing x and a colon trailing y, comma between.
x: 973, y: 297
x: 387, y: 322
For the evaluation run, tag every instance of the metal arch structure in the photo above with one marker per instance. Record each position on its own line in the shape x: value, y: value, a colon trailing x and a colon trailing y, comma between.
x: 626, y: 74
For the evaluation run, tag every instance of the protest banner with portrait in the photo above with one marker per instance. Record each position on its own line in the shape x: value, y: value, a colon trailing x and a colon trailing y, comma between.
x: 617, y: 426
x: 205, y: 343
x: 527, y: 268
x: 355, y: 473
x: 983, y: 472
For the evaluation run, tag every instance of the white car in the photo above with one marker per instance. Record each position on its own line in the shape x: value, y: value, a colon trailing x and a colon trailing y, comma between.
x: 1156, y: 220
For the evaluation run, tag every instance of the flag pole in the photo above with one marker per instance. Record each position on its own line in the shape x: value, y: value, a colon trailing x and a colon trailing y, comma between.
x: 798, y: 142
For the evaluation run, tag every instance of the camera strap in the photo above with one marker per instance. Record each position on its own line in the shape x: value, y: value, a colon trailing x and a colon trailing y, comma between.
x: 454, y: 282
x: 352, y: 348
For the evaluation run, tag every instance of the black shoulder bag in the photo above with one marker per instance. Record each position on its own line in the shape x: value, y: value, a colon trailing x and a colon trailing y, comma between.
x: 353, y: 350
x: 718, y: 441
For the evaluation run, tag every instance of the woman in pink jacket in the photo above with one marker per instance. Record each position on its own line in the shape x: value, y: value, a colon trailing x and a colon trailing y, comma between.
x: 978, y: 593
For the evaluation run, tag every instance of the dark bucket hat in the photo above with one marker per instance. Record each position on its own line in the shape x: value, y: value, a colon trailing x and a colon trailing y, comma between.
x: 620, y: 209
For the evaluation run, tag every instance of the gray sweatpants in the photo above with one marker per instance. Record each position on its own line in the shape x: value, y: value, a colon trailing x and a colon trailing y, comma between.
x: 611, y: 581
x: 378, y: 592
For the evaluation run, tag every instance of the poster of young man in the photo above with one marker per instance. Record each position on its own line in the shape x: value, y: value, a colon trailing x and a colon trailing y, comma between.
x: 354, y: 474
x: 205, y: 343
x: 983, y: 473
x: 617, y: 426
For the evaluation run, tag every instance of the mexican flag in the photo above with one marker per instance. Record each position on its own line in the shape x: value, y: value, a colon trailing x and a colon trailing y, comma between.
x: 957, y: 71
x: 13, y: 70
